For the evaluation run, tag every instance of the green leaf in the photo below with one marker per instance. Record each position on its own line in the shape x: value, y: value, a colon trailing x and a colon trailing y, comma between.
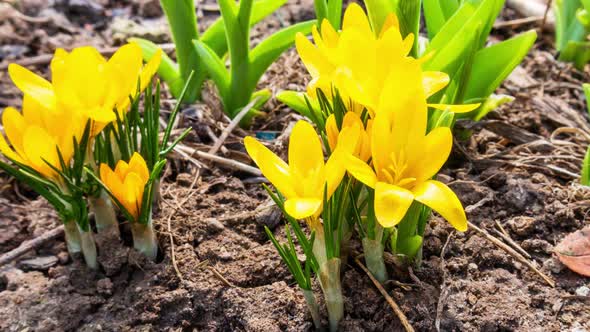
x: 168, y: 69
x: 493, y: 64
x: 378, y: 11
x: 263, y: 55
x: 215, y: 67
x: 436, y: 14
x: 261, y: 96
x: 296, y: 101
x: 576, y: 52
x: 585, y: 177
x: 335, y: 13
x: 408, y: 14
x: 494, y: 101
x: 183, y: 25
x: 214, y: 36
x: 586, y: 88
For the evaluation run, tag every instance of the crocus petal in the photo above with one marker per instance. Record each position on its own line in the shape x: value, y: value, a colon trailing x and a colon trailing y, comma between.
x: 150, y: 69
x: 305, y: 149
x: 122, y: 169
x: 33, y: 85
x: 434, y: 152
x: 14, y: 126
x: 301, y: 208
x: 133, y: 193
x: 332, y: 131
x: 8, y: 152
x: 434, y: 81
x: 271, y: 166
x: 102, y: 115
x: 355, y: 18
x: 391, y: 21
x: 391, y: 203
x: 360, y: 170
x: 137, y: 165
x: 105, y: 172
x: 40, y: 149
x: 335, y: 171
x: 311, y: 57
x: 455, y: 108
x: 329, y: 35
x: 443, y: 200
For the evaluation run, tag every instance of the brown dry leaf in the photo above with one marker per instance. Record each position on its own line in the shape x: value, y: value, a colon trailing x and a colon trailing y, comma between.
x: 574, y: 251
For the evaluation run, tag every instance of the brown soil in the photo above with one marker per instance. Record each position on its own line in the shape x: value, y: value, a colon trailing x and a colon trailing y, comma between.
x: 514, y: 169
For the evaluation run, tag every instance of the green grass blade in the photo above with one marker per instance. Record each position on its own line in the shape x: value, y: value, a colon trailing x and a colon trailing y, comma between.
x: 215, y: 67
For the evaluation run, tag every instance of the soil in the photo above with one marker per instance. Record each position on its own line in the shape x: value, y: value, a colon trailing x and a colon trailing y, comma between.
x: 217, y: 271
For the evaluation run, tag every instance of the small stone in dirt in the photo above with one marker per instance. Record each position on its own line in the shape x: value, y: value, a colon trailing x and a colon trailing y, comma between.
x: 537, y: 245
x: 86, y: 10
x: 42, y: 263
x: 472, y: 268
x: 63, y: 257
x: 583, y: 291
x: 104, y: 287
x: 522, y: 225
x: 147, y: 8
x: 214, y: 225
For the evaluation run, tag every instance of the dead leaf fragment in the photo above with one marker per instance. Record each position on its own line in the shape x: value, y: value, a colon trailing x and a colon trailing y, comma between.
x: 574, y: 251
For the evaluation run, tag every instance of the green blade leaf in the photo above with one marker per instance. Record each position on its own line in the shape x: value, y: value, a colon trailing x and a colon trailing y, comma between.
x: 493, y: 64
x: 263, y: 55
x: 215, y: 67
x: 296, y: 101
x: 183, y: 25
x: 436, y: 14
x: 378, y: 11
x: 586, y: 88
x: 585, y: 176
x: 214, y: 36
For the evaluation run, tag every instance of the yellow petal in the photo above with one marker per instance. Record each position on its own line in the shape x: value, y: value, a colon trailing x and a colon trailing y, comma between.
x: 311, y: 57
x: 8, y: 152
x: 335, y: 170
x: 104, y: 115
x: 391, y: 203
x: 407, y: 44
x: 35, y: 86
x: 391, y: 21
x: 271, y: 166
x: 14, y: 126
x: 124, y: 67
x: 332, y: 132
x: 434, y: 81
x: 355, y: 18
x: 40, y: 149
x: 329, y: 35
x: 455, y: 108
x: 150, y: 69
x: 434, y: 152
x: 443, y: 200
x: 306, y: 156
x: 105, y: 172
x: 122, y: 169
x: 301, y: 208
x: 134, y: 187
x: 360, y: 170
x: 137, y: 165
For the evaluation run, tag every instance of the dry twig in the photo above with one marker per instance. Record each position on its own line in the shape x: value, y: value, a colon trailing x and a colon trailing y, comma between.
x: 396, y: 309
x: 31, y: 245
x: 231, y: 126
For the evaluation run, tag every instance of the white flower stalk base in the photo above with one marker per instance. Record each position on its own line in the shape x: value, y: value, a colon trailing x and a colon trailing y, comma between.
x: 373, y: 252
x: 144, y: 239
x: 330, y: 282
x: 104, y: 214
x: 88, y: 248
x: 72, y: 237
x: 313, y: 308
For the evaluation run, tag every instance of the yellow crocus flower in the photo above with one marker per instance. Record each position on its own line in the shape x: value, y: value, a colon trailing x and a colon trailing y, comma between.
x: 84, y: 82
x: 36, y: 134
x: 127, y: 182
x: 405, y: 158
x: 358, y: 145
x: 358, y: 62
x: 303, y: 180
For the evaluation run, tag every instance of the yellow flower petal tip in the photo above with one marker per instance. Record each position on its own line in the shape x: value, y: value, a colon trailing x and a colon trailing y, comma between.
x: 127, y: 182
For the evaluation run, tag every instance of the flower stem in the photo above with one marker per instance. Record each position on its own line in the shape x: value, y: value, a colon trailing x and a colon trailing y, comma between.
x: 144, y: 239
x: 330, y: 282
x: 104, y: 214
x: 72, y: 237
x: 373, y: 251
x: 313, y: 307
x: 88, y: 248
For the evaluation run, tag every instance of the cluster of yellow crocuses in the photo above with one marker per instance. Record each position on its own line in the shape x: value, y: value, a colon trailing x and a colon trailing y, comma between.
x: 382, y: 140
x: 84, y: 93
x: 389, y: 150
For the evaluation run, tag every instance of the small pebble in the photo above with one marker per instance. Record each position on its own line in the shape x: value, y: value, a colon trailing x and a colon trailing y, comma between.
x: 104, y: 286
x: 583, y: 291
x: 472, y: 267
x: 42, y: 263
x: 214, y: 225
x: 63, y: 257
